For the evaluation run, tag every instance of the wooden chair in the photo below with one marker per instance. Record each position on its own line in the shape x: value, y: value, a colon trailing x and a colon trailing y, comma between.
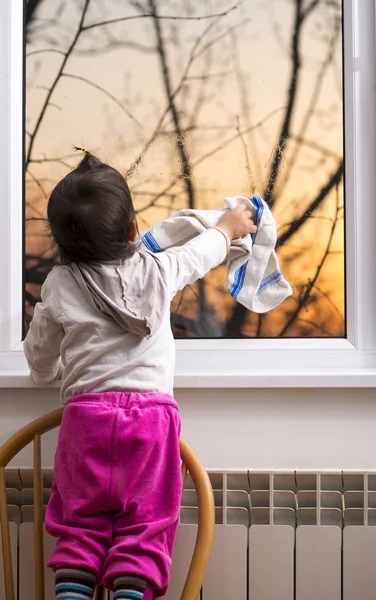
x: 32, y: 434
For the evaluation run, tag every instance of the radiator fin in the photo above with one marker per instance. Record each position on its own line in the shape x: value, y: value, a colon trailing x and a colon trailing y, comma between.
x: 278, y: 536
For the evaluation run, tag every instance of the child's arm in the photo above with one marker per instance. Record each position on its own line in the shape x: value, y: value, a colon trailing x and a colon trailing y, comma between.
x: 188, y: 263
x: 42, y: 344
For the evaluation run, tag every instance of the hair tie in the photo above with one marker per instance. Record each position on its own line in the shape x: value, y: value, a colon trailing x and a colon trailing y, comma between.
x: 82, y: 150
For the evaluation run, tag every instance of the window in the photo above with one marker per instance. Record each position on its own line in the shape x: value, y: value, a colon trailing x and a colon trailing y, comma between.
x: 195, y: 101
x: 287, y: 362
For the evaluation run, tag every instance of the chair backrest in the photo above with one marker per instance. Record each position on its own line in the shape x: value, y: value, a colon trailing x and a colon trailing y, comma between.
x: 32, y: 433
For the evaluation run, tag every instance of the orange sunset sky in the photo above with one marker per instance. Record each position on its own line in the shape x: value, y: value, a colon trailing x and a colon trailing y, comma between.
x: 230, y: 73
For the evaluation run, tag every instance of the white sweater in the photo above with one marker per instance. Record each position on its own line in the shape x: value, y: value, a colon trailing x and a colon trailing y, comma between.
x: 115, y: 343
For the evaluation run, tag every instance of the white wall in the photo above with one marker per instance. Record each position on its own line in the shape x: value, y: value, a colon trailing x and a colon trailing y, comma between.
x: 257, y: 428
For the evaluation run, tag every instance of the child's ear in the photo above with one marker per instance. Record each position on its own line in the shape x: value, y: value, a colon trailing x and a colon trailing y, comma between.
x: 133, y: 231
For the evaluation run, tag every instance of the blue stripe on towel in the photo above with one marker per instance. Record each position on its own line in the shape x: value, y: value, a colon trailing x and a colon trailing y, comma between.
x: 259, y: 210
x: 151, y: 243
x: 268, y: 281
x: 239, y: 276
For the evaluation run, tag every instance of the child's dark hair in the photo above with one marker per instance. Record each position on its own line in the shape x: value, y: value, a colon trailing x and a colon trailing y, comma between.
x: 90, y: 212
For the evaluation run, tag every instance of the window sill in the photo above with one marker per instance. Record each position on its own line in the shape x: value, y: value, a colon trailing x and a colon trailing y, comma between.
x: 278, y: 378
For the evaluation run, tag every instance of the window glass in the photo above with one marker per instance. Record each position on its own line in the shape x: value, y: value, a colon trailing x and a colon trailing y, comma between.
x: 195, y: 101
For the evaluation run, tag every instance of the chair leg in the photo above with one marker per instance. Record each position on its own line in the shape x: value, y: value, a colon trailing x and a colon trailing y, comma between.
x: 100, y: 593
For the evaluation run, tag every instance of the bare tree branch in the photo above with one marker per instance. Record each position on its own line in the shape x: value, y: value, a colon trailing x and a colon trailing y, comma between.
x: 192, y: 57
x: 206, y: 156
x: 332, y: 304
x: 56, y: 81
x: 105, y: 92
x: 246, y: 115
x: 112, y: 45
x: 186, y: 172
x: 30, y: 299
x: 236, y: 136
x: 31, y: 7
x: 299, y: 19
x: 251, y: 183
x: 315, y: 146
x: 220, y: 37
x: 310, y: 285
x: 43, y: 51
x: 314, y: 99
x: 202, y: 90
x: 38, y: 183
x: 333, y: 181
x: 162, y: 17
x: 180, y: 140
x: 316, y: 325
x: 311, y: 6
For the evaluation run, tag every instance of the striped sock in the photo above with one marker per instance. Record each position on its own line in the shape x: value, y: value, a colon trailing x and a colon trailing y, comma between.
x: 129, y: 588
x: 74, y: 584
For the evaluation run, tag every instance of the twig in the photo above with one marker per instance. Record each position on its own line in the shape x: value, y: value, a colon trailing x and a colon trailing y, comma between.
x: 221, y: 36
x: 56, y: 159
x: 316, y: 287
x: 32, y: 207
x: 56, y: 81
x: 319, y: 327
x: 259, y: 325
x: 186, y: 172
x: 179, y: 306
x: 313, y: 4
x: 111, y: 45
x: 208, y: 155
x: 309, y: 217
x: 201, y: 95
x: 313, y: 102
x: 333, y: 181
x: 246, y: 114
x: 54, y: 50
x: 300, y: 17
x: 55, y: 105
x: 180, y: 141
x: 161, y: 18
x: 315, y: 146
x: 310, y: 285
x: 236, y: 136
x: 30, y: 298
x: 193, y: 55
x: 38, y: 183
x: 204, y: 76
x: 251, y: 185
x: 104, y: 91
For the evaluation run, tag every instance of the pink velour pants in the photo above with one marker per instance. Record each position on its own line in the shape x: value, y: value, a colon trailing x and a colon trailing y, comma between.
x: 116, y: 495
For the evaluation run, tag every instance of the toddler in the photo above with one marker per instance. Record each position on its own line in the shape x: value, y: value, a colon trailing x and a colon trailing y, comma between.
x: 103, y: 327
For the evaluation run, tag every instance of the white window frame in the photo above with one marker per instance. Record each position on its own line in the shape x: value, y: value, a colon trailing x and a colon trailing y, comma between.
x: 301, y: 362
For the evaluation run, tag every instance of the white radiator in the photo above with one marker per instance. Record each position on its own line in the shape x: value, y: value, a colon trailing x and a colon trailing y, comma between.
x: 278, y: 536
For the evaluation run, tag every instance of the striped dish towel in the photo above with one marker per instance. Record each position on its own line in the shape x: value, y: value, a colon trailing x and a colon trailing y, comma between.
x: 253, y: 275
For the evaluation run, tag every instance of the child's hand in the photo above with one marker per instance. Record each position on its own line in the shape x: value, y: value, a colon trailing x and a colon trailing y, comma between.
x: 238, y: 222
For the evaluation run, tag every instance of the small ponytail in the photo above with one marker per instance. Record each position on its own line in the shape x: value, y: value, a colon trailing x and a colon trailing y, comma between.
x: 89, y: 161
x: 77, y: 149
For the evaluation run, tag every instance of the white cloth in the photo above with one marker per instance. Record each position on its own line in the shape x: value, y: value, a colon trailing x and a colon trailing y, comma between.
x: 253, y: 275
